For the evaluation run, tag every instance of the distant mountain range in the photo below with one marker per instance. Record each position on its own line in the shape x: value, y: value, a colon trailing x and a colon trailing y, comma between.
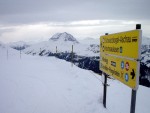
x: 64, y: 42
x: 87, y: 47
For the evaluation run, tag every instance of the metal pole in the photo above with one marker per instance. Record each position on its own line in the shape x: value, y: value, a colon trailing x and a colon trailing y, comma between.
x: 133, y: 101
x: 105, y: 87
x: 72, y: 56
x: 7, y: 53
x: 133, y: 95
x: 20, y: 52
x: 56, y: 49
x: 105, y: 90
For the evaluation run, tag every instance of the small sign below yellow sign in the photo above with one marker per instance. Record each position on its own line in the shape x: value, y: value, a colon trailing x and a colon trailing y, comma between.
x: 124, y: 70
x: 124, y: 44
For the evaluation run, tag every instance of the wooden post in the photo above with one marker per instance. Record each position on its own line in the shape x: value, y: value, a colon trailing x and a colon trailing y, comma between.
x: 56, y: 49
x: 105, y: 90
x: 133, y: 101
x: 133, y: 95
x: 20, y: 52
x: 7, y: 53
x: 105, y: 86
x: 72, y: 56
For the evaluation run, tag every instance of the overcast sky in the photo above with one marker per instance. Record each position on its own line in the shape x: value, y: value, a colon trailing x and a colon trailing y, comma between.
x: 38, y: 20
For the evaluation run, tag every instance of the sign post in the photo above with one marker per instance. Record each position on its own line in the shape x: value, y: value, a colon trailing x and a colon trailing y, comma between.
x: 120, y: 58
x: 56, y: 49
x: 7, y: 53
x: 72, y: 56
x: 133, y: 101
x: 105, y: 86
x: 20, y: 52
x: 105, y: 90
x: 133, y: 96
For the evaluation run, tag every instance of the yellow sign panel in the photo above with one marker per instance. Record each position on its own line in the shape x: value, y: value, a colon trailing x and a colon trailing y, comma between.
x: 126, y: 71
x: 126, y: 44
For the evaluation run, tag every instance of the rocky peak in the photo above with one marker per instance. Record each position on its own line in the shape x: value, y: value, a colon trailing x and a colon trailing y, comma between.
x: 65, y: 37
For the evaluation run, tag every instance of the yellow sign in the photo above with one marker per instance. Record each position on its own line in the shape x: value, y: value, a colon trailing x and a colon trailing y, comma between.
x: 124, y: 44
x: 126, y: 71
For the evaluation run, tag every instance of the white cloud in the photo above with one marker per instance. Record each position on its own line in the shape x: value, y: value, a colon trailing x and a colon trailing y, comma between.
x: 79, y: 29
x: 35, y: 11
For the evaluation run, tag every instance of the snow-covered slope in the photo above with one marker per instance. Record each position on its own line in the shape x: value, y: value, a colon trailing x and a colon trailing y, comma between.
x: 19, y: 45
x: 64, y: 42
x: 49, y: 85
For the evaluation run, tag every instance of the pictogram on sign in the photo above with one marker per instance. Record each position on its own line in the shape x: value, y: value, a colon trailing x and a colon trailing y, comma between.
x: 122, y: 64
x: 127, y: 66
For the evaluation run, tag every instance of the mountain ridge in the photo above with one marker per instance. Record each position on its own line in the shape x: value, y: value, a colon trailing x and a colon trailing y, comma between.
x: 63, y: 37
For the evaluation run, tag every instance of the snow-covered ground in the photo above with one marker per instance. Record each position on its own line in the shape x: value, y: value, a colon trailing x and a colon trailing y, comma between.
x: 35, y: 84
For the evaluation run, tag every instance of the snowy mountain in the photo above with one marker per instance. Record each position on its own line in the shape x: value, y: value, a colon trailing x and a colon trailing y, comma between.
x: 19, y: 45
x: 64, y: 42
x: 63, y: 37
x: 145, y: 55
x: 60, y: 45
x: 145, y: 62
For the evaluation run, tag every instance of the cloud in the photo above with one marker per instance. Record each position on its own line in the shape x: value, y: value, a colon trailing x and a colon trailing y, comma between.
x: 34, y: 11
x: 79, y: 29
x: 40, y: 19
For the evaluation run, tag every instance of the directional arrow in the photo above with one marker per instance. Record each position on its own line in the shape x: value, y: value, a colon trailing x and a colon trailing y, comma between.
x: 133, y: 74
